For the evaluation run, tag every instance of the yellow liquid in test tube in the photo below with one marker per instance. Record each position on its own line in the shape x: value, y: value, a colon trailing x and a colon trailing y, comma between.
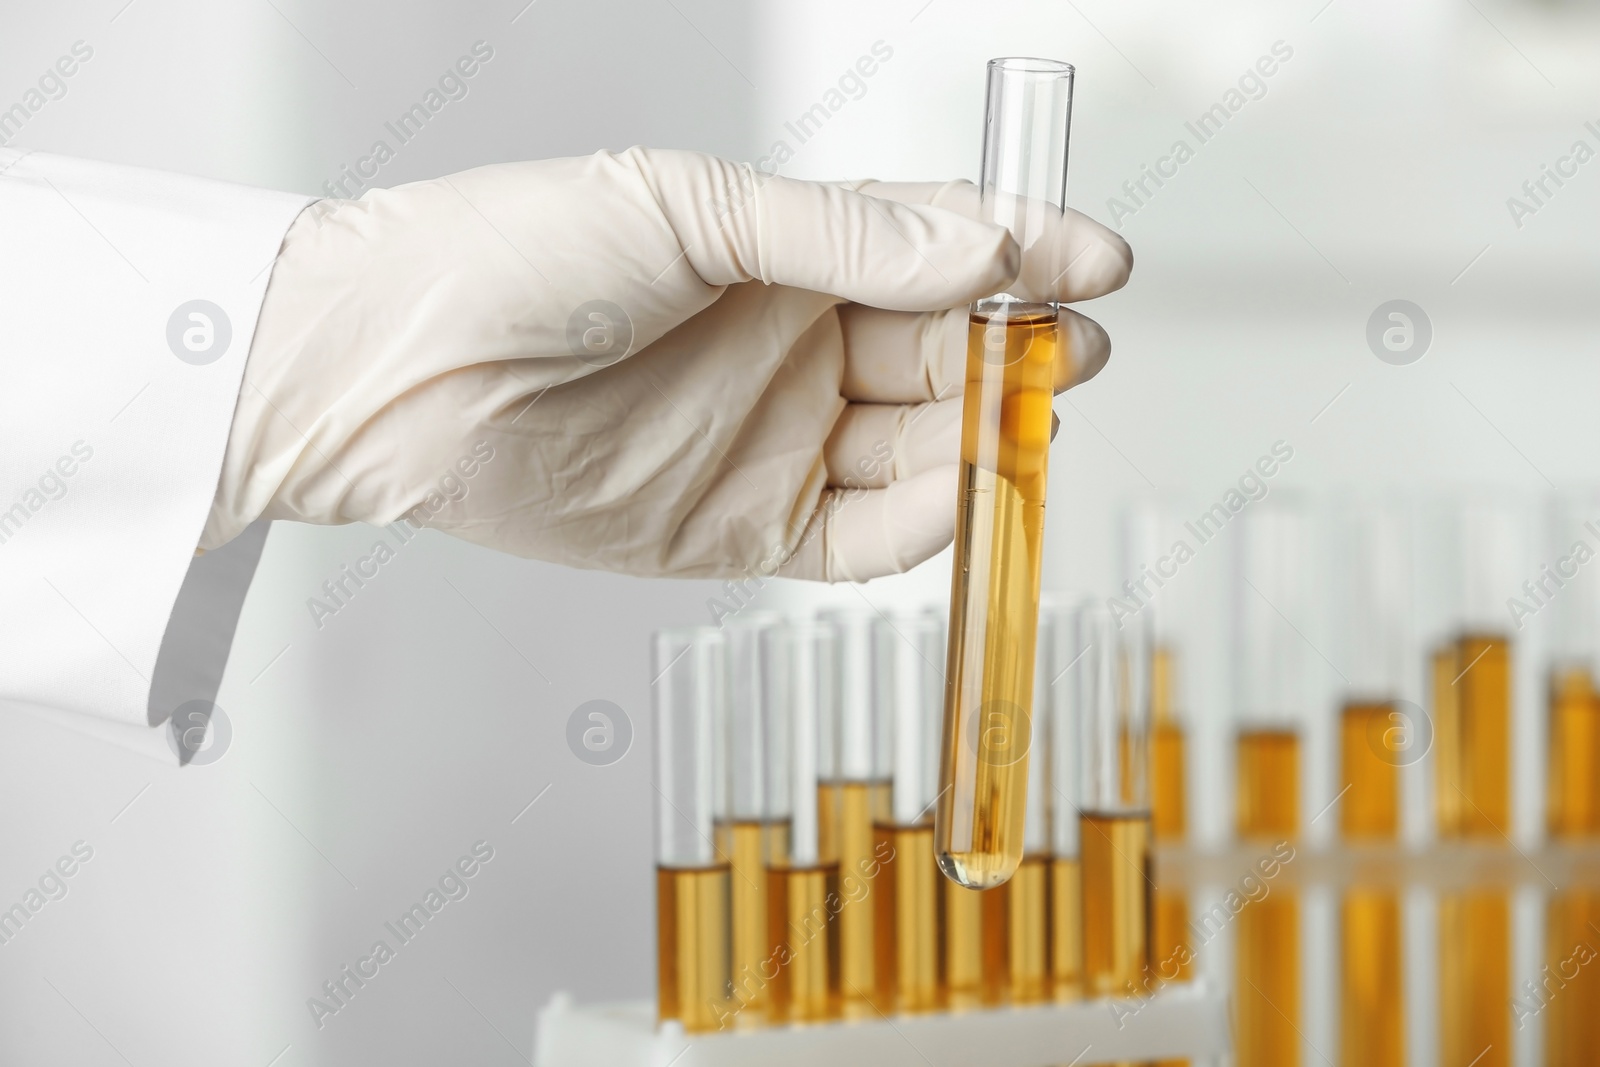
x: 1573, y: 802
x: 906, y: 895
x: 1116, y: 903
x: 693, y: 962
x: 742, y: 844
x: 994, y: 596
x: 1267, y: 964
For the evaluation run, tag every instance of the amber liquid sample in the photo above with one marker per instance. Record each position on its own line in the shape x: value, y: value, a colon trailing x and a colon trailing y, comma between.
x: 1016, y: 939
x: 1475, y: 979
x: 906, y: 897
x: 1267, y: 982
x: 1369, y: 748
x: 1169, y: 816
x: 1168, y: 807
x: 848, y: 811
x: 960, y: 946
x: 1267, y: 968
x: 1116, y: 903
x: 1372, y: 1002
x: 1571, y: 986
x: 743, y: 845
x: 1269, y: 783
x: 804, y: 933
x: 1483, y: 692
x: 996, y: 944
x: 1573, y: 801
x: 1066, y: 928
x: 1447, y: 795
x: 1169, y: 939
x: 693, y: 958
x: 994, y: 592
x: 1172, y: 959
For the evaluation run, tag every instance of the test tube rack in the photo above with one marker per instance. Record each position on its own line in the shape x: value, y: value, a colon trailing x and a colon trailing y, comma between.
x: 1188, y: 1020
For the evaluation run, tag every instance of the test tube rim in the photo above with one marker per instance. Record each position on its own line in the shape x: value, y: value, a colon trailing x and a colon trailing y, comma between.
x: 1032, y: 65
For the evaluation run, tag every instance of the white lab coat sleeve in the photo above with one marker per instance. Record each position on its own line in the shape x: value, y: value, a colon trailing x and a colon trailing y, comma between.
x: 128, y: 299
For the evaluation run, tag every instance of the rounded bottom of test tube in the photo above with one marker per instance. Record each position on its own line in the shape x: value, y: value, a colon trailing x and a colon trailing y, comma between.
x: 978, y: 870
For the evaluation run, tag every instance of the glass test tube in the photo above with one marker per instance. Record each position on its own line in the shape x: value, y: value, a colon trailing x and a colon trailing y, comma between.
x: 1475, y: 987
x: 1012, y: 362
x: 1269, y: 564
x: 1436, y: 550
x: 693, y: 953
x: 742, y: 822
x: 1149, y: 531
x: 1568, y: 590
x: 1060, y: 648
x: 1371, y: 578
x: 908, y: 650
x: 856, y: 786
x: 802, y: 869
x: 1114, y: 802
x: 1491, y: 546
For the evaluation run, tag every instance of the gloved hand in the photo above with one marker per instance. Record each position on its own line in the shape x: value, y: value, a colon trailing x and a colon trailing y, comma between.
x: 771, y: 384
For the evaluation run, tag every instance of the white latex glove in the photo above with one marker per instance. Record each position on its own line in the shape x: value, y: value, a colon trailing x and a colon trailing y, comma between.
x: 789, y: 399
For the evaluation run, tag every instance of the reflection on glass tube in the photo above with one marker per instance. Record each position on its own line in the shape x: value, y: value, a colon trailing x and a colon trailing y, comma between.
x: 1447, y: 795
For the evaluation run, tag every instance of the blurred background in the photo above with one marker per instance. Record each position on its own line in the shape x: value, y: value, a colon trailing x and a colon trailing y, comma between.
x: 1384, y: 159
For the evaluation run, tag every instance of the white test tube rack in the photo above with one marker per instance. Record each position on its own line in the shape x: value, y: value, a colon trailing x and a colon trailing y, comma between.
x: 1188, y: 1020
